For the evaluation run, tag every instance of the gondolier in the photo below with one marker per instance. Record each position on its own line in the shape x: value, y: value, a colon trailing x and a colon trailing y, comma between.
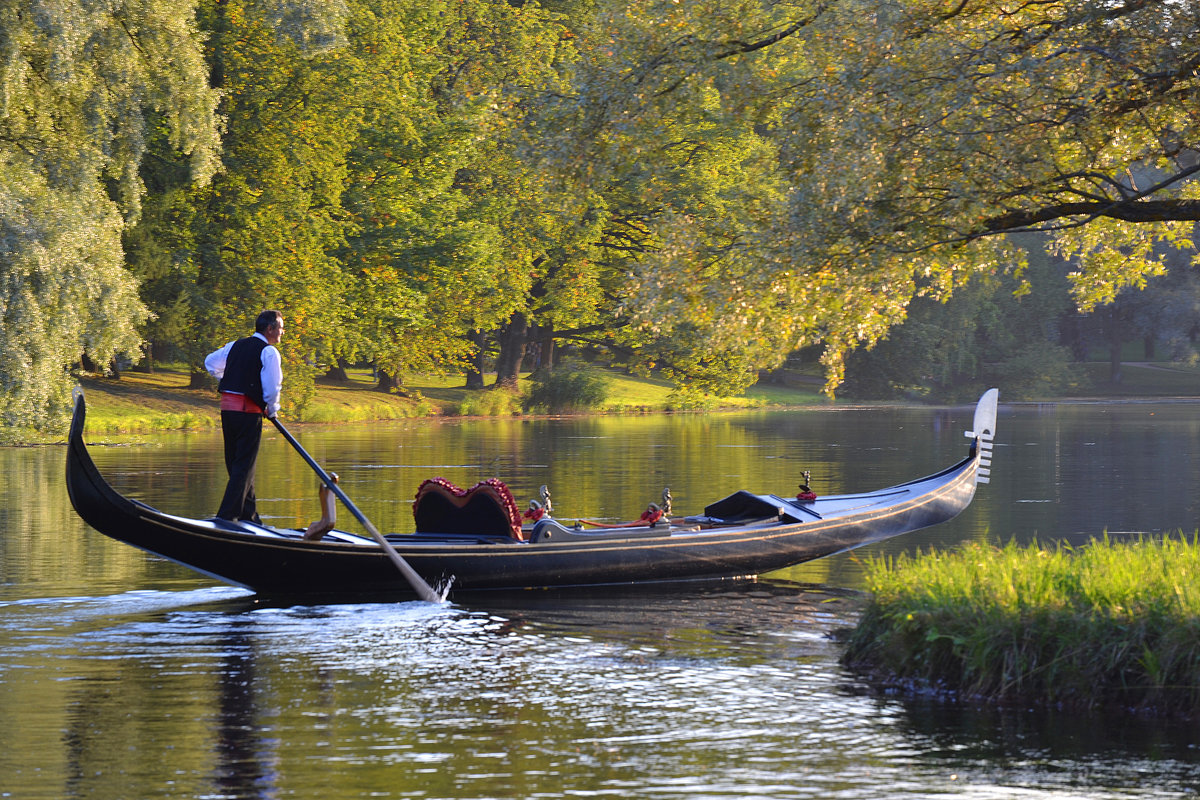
x: 250, y: 377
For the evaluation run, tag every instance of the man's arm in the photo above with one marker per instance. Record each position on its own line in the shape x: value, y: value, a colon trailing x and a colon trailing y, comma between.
x: 272, y: 379
x: 214, y: 362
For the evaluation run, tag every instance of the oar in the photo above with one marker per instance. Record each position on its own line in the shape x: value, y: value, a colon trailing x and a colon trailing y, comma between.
x: 423, y: 589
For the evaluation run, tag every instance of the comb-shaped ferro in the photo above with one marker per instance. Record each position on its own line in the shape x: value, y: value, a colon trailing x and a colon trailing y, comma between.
x: 984, y: 432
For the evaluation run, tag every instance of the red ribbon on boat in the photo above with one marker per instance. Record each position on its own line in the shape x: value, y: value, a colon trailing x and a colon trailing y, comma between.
x: 651, y: 515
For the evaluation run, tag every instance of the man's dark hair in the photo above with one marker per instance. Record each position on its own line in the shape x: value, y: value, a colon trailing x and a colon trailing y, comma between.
x: 266, y: 319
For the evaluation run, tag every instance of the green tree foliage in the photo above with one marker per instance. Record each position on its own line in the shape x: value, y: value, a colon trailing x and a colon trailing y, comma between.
x: 447, y: 222
x: 909, y: 135
x: 370, y: 187
x: 662, y: 148
x: 987, y: 334
x: 944, y: 124
x: 1165, y: 316
x: 81, y: 87
x: 701, y: 186
x: 266, y: 230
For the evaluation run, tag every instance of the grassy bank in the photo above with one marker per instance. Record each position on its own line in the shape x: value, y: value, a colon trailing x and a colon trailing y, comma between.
x: 144, y: 403
x: 1146, y: 379
x: 1108, y: 625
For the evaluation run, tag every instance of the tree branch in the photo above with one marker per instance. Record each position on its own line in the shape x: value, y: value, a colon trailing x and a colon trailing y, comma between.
x: 1132, y: 208
x: 1152, y: 211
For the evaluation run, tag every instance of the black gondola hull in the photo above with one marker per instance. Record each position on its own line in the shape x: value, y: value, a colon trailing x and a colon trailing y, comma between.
x: 276, y: 561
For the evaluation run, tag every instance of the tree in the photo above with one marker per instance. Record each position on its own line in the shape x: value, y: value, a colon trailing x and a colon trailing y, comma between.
x: 701, y: 187
x: 987, y: 334
x: 909, y: 136
x: 266, y: 232
x: 1166, y: 312
x: 959, y: 122
x: 80, y: 82
x: 444, y: 240
x: 675, y: 195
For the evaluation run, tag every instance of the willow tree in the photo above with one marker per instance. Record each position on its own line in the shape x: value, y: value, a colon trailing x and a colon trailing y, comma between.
x: 78, y: 83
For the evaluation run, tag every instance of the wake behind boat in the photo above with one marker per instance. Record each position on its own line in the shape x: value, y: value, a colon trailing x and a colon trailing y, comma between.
x: 475, y: 538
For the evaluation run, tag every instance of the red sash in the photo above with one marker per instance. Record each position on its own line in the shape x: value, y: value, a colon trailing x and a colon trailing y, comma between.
x: 232, y: 401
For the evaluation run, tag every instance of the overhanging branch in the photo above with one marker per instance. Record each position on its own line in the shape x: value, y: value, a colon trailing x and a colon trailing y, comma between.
x: 1144, y: 211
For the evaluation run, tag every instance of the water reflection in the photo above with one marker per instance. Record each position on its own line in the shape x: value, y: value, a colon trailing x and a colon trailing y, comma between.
x: 122, y: 675
x: 723, y: 691
x: 1039, y: 750
x: 245, y: 761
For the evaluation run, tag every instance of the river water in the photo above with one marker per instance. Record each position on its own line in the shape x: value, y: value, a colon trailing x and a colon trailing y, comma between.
x: 124, y: 676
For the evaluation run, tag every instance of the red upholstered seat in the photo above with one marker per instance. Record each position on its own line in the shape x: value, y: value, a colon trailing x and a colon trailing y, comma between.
x: 487, y: 508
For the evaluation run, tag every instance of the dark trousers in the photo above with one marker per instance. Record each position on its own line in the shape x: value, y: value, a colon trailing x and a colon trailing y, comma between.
x: 243, y: 432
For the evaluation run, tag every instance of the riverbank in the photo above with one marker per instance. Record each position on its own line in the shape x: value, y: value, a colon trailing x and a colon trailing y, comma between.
x: 139, y: 402
x: 1110, y: 625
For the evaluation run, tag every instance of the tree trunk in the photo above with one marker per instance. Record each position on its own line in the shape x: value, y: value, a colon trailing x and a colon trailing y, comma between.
x: 387, y: 382
x: 199, y: 379
x: 513, y: 338
x: 475, y: 371
x: 1148, y: 347
x: 337, y: 372
x: 147, y: 364
x: 545, y: 339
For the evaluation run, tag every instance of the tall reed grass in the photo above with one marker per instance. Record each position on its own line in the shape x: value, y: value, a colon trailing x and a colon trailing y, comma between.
x: 1107, y: 624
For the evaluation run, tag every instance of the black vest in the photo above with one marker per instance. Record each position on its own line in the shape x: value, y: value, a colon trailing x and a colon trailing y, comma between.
x: 243, y: 369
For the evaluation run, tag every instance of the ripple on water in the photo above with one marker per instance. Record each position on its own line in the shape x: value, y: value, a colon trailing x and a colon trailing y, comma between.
x: 732, y: 692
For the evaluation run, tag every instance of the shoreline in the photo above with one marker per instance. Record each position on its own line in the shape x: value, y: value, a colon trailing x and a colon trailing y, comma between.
x: 158, y: 402
x: 1107, y: 626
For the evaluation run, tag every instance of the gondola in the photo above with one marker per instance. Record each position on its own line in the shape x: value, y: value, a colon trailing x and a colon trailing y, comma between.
x: 471, y: 541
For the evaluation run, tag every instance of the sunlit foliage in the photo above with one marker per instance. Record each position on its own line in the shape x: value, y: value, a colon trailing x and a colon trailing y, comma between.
x: 699, y: 187
x: 78, y: 84
x: 910, y: 135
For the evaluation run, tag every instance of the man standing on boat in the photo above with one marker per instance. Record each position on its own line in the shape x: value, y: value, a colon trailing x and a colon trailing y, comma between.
x: 250, y: 377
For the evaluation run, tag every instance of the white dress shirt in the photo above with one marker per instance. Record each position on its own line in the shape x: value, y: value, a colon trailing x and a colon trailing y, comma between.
x: 271, y: 375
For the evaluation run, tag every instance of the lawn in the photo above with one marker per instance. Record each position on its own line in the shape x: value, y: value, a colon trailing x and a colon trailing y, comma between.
x: 139, y: 402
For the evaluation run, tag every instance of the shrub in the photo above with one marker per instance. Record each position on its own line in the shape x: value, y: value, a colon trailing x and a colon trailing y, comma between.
x: 487, y: 403
x: 568, y: 388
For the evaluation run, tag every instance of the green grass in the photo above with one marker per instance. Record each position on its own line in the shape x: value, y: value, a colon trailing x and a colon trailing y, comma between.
x: 628, y: 393
x: 141, y: 402
x: 1159, y: 379
x: 1108, y: 625
x: 146, y: 403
